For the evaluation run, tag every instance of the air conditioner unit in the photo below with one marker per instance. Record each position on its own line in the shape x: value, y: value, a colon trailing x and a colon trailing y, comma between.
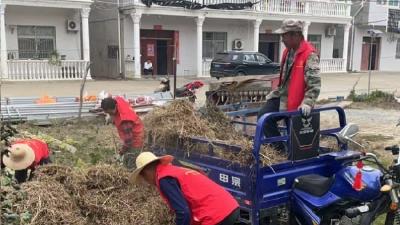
x: 237, y: 44
x: 72, y: 25
x: 330, y: 31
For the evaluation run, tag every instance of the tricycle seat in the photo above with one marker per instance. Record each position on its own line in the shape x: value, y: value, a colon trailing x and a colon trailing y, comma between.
x: 314, y: 184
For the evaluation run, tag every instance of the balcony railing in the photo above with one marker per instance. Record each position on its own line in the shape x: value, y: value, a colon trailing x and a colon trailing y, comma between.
x: 307, y: 7
x: 43, y: 70
x: 324, y: 8
x: 332, y: 65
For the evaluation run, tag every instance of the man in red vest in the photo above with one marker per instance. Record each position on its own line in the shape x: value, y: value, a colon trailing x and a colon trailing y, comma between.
x: 24, y: 155
x: 195, y: 199
x: 300, y: 81
x: 130, y: 128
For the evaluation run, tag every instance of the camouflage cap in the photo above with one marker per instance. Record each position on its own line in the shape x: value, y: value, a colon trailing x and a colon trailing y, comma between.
x: 290, y: 25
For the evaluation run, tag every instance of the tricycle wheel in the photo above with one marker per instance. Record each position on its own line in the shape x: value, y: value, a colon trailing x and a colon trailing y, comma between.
x: 392, y: 218
x: 342, y: 220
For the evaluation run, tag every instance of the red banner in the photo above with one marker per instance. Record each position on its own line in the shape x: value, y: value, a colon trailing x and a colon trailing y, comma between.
x: 150, y: 50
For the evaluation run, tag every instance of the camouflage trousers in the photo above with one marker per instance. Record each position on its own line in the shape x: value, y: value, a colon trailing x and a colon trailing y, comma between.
x: 129, y: 158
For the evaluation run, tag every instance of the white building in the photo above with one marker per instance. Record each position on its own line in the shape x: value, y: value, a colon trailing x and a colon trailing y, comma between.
x: 382, y: 52
x: 182, y: 40
x: 32, y: 31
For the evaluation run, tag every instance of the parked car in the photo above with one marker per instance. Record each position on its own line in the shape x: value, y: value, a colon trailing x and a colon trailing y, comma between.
x: 237, y: 63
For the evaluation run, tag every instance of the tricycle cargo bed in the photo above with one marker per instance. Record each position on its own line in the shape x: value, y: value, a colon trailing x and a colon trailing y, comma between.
x: 275, y: 181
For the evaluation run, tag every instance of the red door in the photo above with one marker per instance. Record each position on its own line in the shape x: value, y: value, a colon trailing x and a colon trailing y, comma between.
x: 370, y: 52
x: 365, y: 56
x: 148, y: 50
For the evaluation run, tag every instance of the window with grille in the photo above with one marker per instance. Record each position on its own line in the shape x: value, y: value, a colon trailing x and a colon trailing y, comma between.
x: 36, y: 42
x: 113, y: 51
x: 214, y: 43
x: 381, y: 2
x: 315, y: 40
x: 398, y: 49
x: 393, y: 2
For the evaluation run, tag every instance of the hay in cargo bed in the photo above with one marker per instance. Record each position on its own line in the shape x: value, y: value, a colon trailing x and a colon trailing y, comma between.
x: 174, y: 125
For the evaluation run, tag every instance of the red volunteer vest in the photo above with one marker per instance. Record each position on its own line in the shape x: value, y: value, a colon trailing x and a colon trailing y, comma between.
x: 39, y: 147
x: 209, y: 203
x: 126, y: 113
x: 297, y: 83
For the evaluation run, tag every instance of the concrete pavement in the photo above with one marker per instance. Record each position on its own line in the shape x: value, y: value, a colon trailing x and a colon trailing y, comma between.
x: 332, y: 85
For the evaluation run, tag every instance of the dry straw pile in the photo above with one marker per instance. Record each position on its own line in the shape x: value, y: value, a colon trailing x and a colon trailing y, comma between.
x: 179, y: 121
x: 100, y: 195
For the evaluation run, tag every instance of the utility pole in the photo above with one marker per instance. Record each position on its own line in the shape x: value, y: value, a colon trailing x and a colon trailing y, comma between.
x: 353, y: 33
x: 370, y: 63
x: 373, y: 34
x: 120, y: 73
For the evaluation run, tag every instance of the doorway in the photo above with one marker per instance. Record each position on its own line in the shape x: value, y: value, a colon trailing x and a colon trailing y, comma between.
x: 162, y: 57
x: 269, y: 46
x: 269, y: 49
x: 370, y: 53
x: 159, y: 47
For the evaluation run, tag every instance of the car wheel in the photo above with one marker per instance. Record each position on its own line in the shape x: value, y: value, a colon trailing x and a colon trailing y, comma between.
x: 240, y: 74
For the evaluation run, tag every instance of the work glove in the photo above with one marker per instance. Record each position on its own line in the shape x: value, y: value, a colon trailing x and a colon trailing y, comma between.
x: 305, y: 110
x: 121, y: 152
x: 108, y: 119
x: 118, y: 158
x: 272, y: 94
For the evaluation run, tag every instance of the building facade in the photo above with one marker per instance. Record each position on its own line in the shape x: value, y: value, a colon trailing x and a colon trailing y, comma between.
x: 182, y: 37
x: 376, y: 42
x: 44, y: 40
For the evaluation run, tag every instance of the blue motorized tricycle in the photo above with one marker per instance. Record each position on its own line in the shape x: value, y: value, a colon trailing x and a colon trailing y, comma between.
x: 314, y: 186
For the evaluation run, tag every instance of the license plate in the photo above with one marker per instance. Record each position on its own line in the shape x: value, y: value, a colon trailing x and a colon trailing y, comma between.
x: 217, y: 66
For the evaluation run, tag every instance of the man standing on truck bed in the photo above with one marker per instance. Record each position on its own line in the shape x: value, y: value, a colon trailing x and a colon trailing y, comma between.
x: 299, y: 83
x: 195, y: 199
x: 130, y: 128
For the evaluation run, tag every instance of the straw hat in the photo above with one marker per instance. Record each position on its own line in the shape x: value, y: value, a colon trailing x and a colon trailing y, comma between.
x: 20, y: 157
x: 144, y: 159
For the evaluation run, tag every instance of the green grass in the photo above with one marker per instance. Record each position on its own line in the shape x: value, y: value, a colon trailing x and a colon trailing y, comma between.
x: 95, y: 142
x: 376, y: 98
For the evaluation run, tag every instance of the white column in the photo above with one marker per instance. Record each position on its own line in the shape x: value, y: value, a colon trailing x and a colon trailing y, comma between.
x: 346, y: 45
x: 256, y: 34
x: 305, y: 29
x: 136, y: 16
x: 85, y: 36
x: 199, y: 49
x: 3, y: 47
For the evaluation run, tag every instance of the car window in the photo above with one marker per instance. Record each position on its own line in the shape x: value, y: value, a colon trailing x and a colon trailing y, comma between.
x: 249, y: 58
x: 262, y: 59
x: 235, y: 57
x: 221, y: 57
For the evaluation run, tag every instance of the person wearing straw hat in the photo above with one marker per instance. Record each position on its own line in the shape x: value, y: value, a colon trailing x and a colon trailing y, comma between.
x: 299, y: 82
x: 195, y: 199
x: 130, y: 128
x: 24, y: 155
